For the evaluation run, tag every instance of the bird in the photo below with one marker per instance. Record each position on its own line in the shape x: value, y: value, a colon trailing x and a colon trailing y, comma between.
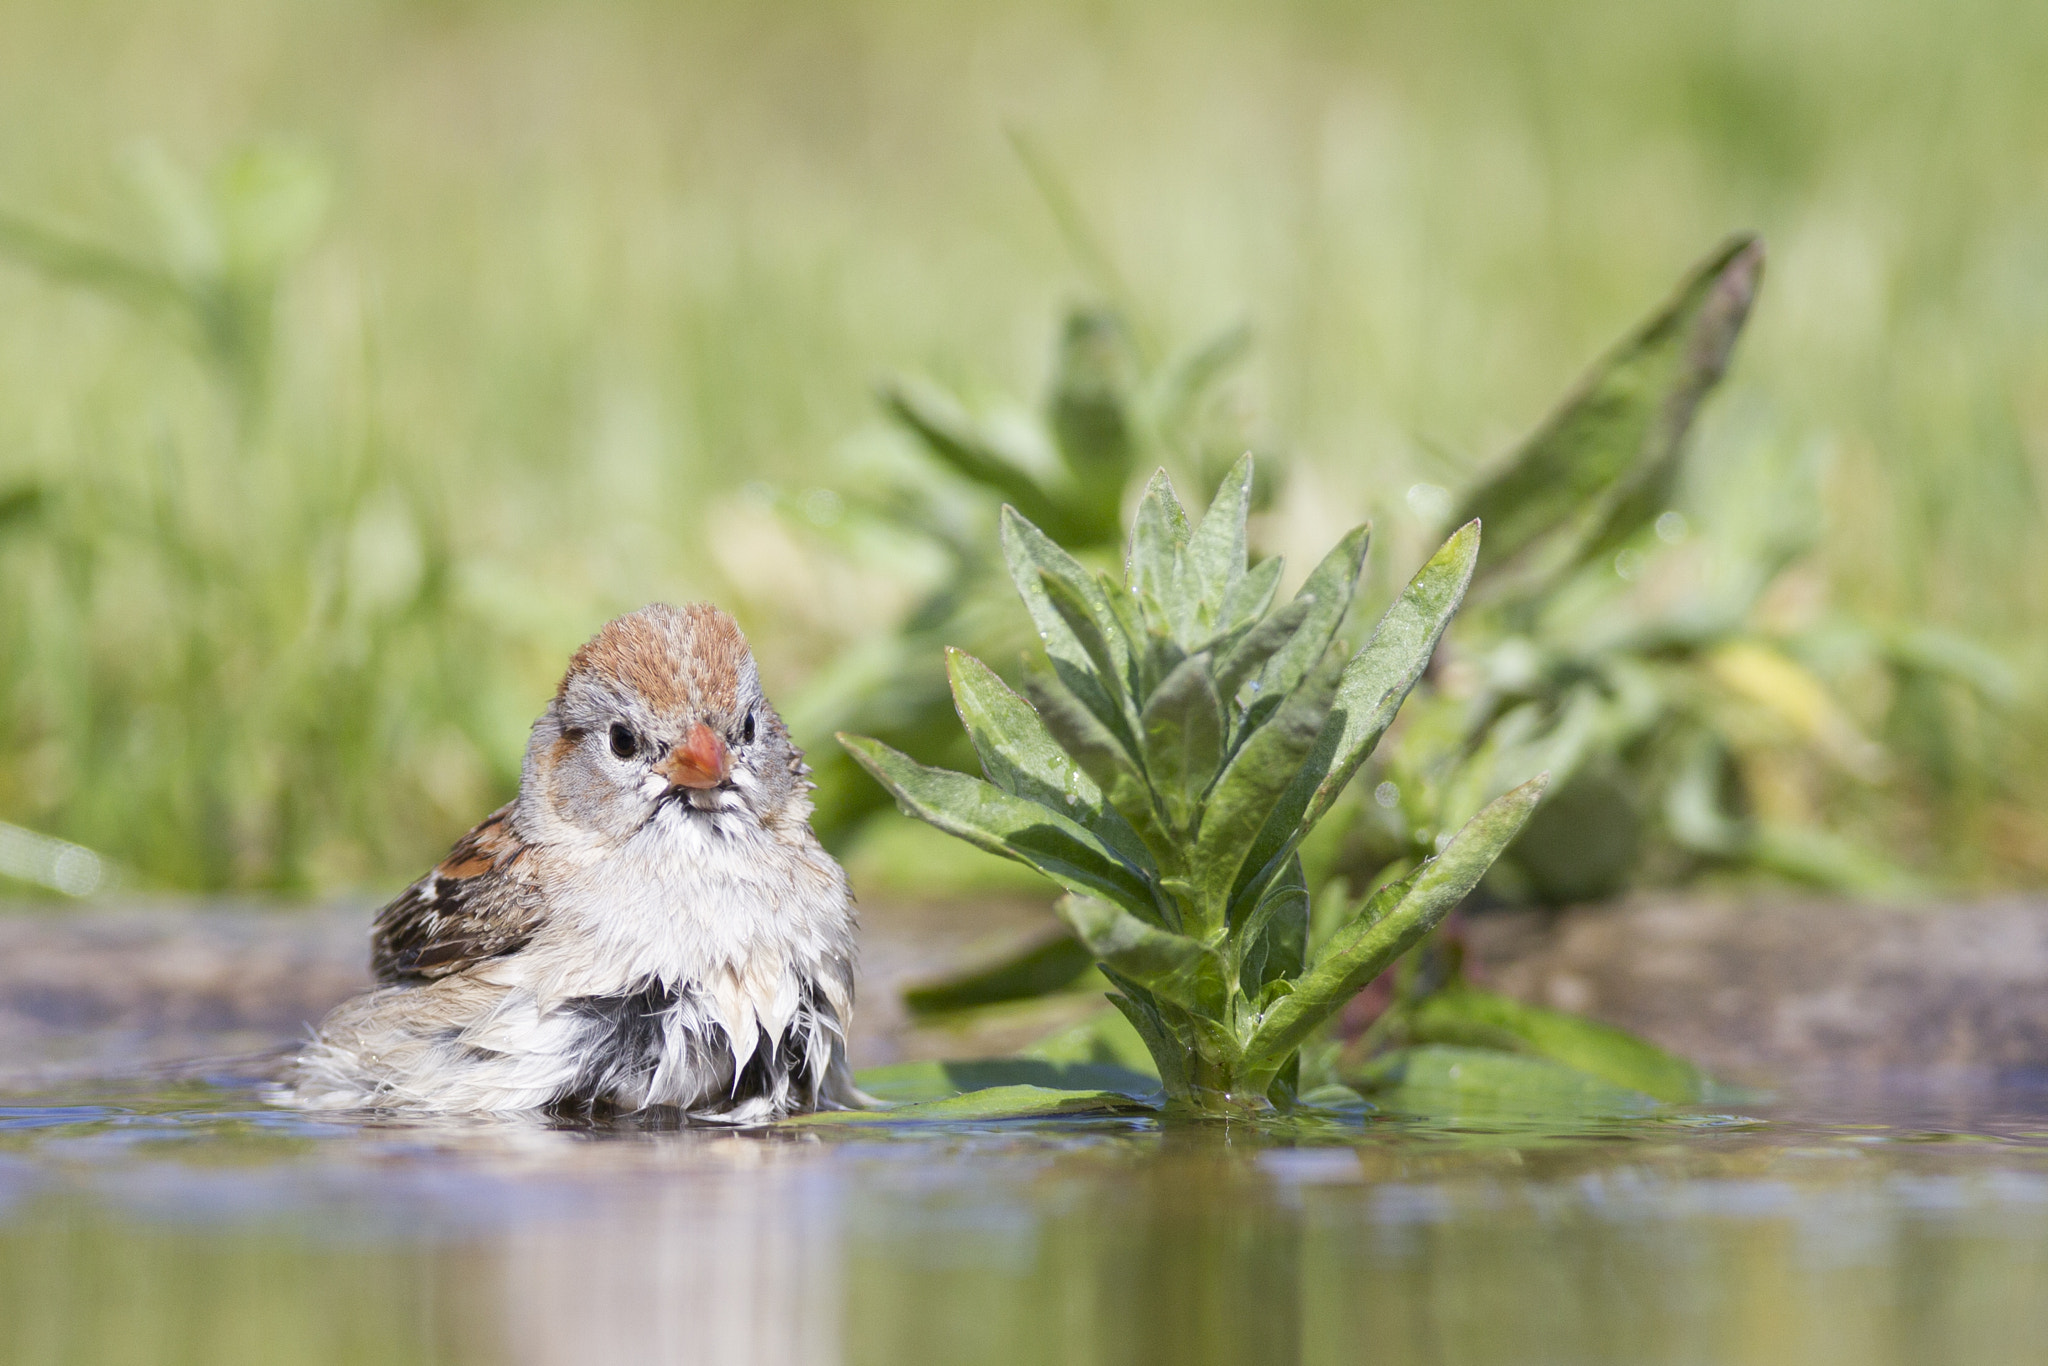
x: 649, y: 925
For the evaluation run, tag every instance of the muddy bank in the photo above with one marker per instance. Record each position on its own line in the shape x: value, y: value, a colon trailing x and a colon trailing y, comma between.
x: 1752, y: 988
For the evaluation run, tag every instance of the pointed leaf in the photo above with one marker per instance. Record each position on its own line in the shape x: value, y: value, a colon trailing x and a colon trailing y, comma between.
x: 1249, y: 598
x: 1265, y: 766
x: 1170, y: 966
x: 1159, y: 538
x: 1332, y: 585
x: 1102, y: 756
x: 1215, y: 559
x: 1094, y: 626
x: 950, y: 434
x: 989, y: 818
x: 1169, y: 1051
x: 1602, y: 464
x: 1249, y: 655
x: 912, y: 1082
x: 1390, y: 924
x: 1031, y: 556
x: 1020, y: 756
x: 1371, y: 691
x: 1182, y: 732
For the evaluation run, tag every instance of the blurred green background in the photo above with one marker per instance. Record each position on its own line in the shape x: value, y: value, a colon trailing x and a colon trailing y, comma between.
x: 358, y: 359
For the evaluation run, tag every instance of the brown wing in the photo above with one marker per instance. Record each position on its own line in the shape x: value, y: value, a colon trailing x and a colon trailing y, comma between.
x: 474, y: 905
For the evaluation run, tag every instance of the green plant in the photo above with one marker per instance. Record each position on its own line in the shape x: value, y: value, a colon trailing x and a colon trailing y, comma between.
x: 1181, y: 739
x: 1107, y: 414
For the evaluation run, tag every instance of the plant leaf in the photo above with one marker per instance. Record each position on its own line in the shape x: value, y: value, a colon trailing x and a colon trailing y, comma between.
x: 1099, y: 637
x: 1019, y: 755
x: 1182, y: 731
x: 1249, y: 655
x: 989, y: 818
x: 1266, y: 765
x: 1170, y: 966
x: 1047, y: 964
x: 952, y: 436
x: 1103, y: 757
x: 1436, y: 1079
x: 1464, y: 1014
x: 1159, y: 538
x: 1371, y: 690
x: 1215, y: 558
x: 1330, y: 586
x: 1032, y: 558
x: 994, y: 1102
x: 1169, y: 1050
x: 1248, y: 600
x: 1603, y: 463
x: 1390, y: 924
x: 910, y: 1082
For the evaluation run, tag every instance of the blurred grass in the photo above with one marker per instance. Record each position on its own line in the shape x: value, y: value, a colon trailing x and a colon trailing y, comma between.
x: 277, y: 603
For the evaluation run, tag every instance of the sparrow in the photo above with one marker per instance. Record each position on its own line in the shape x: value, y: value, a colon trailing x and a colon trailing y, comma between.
x: 649, y: 923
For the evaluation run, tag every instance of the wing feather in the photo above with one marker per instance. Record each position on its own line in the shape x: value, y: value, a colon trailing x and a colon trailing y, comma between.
x: 475, y: 905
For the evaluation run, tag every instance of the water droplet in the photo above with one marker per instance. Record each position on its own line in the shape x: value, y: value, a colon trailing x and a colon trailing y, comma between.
x: 1629, y: 563
x: 1387, y: 795
x: 1672, y: 528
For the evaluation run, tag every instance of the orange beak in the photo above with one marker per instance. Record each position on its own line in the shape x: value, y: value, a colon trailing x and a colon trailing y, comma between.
x: 700, y: 761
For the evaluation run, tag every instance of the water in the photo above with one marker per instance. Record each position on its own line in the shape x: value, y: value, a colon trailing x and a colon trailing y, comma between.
x: 190, y: 1222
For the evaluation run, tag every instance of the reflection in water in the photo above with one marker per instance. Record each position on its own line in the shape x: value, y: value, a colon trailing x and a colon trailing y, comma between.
x: 187, y: 1225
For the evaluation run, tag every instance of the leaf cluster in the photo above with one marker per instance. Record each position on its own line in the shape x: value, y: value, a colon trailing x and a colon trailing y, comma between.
x: 1168, y: 754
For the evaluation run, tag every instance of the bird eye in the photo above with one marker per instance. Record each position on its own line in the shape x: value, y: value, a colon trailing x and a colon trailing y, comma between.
x: 625, y: 744
x: 747, y: 730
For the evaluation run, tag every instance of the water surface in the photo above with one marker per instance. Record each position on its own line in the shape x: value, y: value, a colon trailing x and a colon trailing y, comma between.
x: 190, y: 1222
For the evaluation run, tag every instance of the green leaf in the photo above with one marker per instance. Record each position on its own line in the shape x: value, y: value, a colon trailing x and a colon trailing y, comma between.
x: 1090, y: 421
x: 1464, y: 1014
x: 1275, y: 935
x: 952, y: 436
x: 1182, y: 730
x: 1094, y: 627
x: 1103, y: 757
x: 1159, y: 538
x: 1330, y: 588
x: 1265, y: 766
x: 1019, y: 755
x: 1170, y: 1051
x: 1215, y: 558
x: 909, y: 1082
x: 1371, y: 690
x: 1390, y: 924
x: 989, y: 818
x: 1170, y: 966
x: 995, y: 1102
x: 1104, y: 1038
x: 1249, y: 655
x: 1604, y: 463
x: 1248, y: 599
x: 1046, y: 965
x: 1438, y: 1080
x: 1033, y: 558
